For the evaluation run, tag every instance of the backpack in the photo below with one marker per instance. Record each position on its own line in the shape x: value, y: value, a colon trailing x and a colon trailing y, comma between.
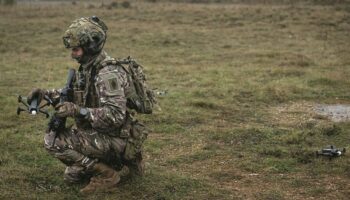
x: 139, y: 98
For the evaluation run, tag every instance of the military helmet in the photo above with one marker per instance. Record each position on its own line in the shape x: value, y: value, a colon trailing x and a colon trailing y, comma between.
x: 89, y: 33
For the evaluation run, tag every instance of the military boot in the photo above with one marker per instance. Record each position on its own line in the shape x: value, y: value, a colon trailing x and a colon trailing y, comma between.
x: 105, y: 179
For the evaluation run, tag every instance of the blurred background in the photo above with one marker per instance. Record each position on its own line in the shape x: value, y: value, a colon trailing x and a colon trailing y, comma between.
x: 243, y: 88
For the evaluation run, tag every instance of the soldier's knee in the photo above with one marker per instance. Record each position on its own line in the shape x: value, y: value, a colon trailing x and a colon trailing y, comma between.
x: 49, y: 142
x: 60, y: 149
x: 49, y: 139
x: 53, y: 144
x: 53, y: 149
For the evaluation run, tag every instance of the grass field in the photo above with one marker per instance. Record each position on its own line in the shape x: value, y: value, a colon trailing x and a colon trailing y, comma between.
x: 237, y: 121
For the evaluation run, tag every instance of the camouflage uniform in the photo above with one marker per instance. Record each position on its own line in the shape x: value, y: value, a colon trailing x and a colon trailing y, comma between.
x: 109, y: 134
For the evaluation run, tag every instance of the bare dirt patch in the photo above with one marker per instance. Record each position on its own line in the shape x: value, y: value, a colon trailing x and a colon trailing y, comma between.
x: 336, y: 112
x: 294, y: 114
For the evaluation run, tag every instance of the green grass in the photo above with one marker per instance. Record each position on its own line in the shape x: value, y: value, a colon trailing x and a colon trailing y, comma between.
x: 237, y: 120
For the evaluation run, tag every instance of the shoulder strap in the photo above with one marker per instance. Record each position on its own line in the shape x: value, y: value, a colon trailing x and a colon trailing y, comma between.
x: 113, y: 61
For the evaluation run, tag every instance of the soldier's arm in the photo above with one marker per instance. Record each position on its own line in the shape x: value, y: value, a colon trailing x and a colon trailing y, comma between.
x: 110, y: 85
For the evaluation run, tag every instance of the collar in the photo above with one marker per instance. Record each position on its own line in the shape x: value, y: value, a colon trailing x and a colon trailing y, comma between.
x: 94, y: 61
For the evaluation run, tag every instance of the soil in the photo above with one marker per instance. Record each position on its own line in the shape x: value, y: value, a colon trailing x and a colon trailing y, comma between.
x: 336, y: 112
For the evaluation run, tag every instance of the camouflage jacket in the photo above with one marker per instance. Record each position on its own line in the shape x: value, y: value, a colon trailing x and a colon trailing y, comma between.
x: 101, y: 90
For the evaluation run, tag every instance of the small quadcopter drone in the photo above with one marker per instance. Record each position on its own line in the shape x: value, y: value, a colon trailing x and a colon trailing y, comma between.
x: 34, y: 107
x: 331, y: 152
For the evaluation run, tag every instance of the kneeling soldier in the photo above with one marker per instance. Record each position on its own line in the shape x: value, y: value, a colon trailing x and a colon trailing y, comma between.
x: 105, y: 143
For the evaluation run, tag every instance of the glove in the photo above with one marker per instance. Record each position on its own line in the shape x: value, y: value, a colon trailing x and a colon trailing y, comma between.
x: 36, y: 93
x: 67, y: 109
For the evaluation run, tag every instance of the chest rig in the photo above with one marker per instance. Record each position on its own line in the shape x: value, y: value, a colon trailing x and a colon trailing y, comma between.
x: 85, y: 93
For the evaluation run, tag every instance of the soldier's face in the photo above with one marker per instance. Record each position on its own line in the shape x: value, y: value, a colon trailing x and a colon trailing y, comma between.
x: 77, y: 53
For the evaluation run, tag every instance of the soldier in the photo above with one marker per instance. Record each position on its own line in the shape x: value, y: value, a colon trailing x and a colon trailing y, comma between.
x: 105, y: 143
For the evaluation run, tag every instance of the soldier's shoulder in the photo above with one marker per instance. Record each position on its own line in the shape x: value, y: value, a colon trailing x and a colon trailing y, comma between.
x: 111, y: 65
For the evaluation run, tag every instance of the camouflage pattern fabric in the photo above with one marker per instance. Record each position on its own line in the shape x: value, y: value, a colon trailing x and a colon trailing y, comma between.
x: 78, y: 150
x: 98, y: 138
x: 84, y: 31
x: 111, y: 85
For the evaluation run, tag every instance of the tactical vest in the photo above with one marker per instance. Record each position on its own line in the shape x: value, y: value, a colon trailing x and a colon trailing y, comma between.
x: 84, y: 91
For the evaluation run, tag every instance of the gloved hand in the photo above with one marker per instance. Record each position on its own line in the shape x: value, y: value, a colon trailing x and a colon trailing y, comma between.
x: 36, y: 93
x: 67, y: 109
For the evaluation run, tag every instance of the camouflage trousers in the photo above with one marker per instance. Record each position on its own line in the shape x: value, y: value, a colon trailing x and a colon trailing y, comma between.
x: 79, y: 149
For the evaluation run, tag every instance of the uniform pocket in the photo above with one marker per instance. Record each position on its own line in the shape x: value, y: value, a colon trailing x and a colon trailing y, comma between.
x: 139, y: 131
x: 134, y: 145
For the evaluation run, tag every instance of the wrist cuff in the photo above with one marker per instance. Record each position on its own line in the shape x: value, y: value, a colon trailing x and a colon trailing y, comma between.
x: 84, y: 113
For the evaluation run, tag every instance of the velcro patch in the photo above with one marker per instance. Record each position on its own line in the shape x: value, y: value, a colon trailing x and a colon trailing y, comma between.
x: 110, y: 80
x: 113, y: 84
